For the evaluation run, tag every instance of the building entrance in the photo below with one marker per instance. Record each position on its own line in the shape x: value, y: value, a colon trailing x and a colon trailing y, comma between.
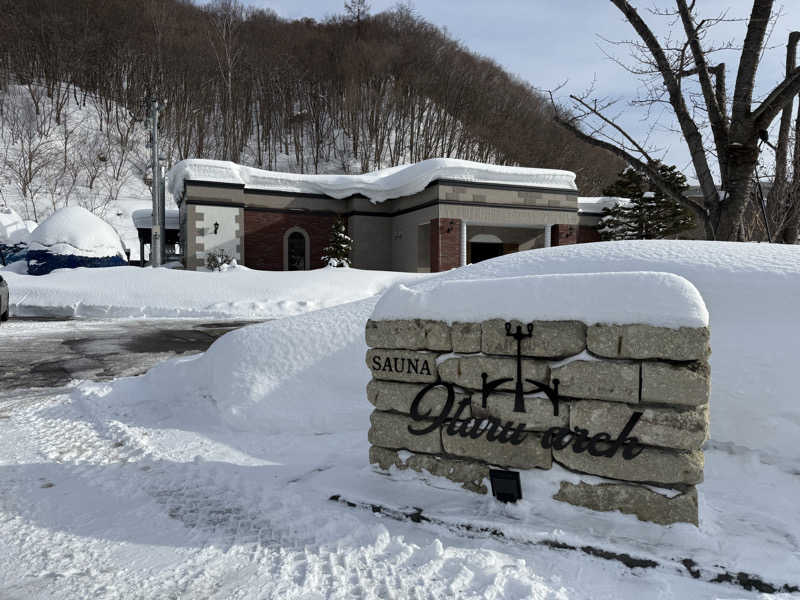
x: 483, y: 251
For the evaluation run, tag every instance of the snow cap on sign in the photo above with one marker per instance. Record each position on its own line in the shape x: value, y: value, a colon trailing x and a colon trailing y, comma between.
x: 642, y: 297
x: 378, y: 186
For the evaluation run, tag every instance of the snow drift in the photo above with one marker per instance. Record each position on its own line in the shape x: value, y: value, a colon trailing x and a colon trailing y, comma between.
x: 378, y: 186
x: 659, y: 299
x: 13, y: 229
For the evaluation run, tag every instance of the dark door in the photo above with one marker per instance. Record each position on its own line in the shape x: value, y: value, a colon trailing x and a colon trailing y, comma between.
x: 482, y: 251
x: 297, y: 251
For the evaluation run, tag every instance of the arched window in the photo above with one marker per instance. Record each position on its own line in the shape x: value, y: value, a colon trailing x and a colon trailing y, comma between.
x: 296, y: 252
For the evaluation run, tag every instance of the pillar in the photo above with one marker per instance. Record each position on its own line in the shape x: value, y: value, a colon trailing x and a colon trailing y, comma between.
x: 462, y: 258
x: 547, y: 236
x: 445, y: 244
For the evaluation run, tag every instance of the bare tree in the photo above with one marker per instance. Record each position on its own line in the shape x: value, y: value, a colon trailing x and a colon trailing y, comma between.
x: 737, y: 127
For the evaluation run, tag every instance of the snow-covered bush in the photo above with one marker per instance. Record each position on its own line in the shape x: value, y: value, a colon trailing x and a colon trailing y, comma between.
x: 216, y: 260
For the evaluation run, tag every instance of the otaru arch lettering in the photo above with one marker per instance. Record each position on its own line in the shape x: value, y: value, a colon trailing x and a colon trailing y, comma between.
x: 601, y: 444
x: 409, y: 366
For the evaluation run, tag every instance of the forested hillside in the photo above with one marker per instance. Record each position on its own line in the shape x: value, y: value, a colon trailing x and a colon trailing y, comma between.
x: 351, y: 94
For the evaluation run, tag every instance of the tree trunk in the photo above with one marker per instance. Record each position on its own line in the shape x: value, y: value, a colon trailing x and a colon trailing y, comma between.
x: 742, y: 162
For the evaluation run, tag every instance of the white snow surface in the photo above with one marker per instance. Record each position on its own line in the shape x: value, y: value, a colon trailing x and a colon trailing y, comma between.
x: 660, y: 299
x: 237, y: 292
x: 596, y: 204
x: 74, y: 230
x: 211, y: 476
x: 13, y: 229
x: 378, y: 186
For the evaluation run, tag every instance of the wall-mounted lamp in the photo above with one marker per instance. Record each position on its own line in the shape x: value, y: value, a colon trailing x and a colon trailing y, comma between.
x: 216, y: 228
x: 450, y: 226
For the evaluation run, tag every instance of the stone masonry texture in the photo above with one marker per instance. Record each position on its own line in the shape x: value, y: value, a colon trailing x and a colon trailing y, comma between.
x: 599, y: 379
x: 394, y: 396
x: 414, y: 334
x: 685, y: 429
x: 552, y: 339
x: 402, y: 365
x: 389, y: 430
x: 688, y: 385
x: 466, y: 371
x: 527, y: 455
x: 653, y: 465
x: 470, y: 474
x: 645, y: 341
x: 644, y: 503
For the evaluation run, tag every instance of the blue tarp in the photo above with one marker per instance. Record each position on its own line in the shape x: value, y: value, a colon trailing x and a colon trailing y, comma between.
x: 41, y: 262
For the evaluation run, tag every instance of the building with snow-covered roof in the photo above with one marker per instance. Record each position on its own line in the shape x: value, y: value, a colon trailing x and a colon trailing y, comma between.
x: 429, y: 216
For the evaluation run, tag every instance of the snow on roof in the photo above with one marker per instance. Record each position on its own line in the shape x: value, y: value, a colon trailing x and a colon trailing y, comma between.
x: 74, y: 230
x: 596, y: 204
x: 660, y: 299
x: 12, y: 227
x: 143, y: 218
x: 378, y: 186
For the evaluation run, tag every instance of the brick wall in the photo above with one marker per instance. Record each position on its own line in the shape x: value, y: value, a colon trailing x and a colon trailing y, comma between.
x: 445, y: 244
x: 564, y: 235
x: 587, y: 234
x: 264, y: 231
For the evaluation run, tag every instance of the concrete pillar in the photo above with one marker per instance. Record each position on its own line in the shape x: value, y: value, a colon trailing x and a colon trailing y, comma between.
x: 548, y: 240
x: 462, y: 259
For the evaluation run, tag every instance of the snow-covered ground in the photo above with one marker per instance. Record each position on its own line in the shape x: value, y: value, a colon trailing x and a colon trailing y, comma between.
x: 213, y: 476
x: 237, y: 292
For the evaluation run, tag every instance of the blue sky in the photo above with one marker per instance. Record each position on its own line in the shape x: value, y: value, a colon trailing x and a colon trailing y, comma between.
x: 547, y: 42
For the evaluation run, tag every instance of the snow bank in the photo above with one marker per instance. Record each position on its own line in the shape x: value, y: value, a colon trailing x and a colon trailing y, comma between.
x: 147, y: 292
x: 73, y: 230
x: 378, y: 186
x: 660, y: 299
x: 12, y: 228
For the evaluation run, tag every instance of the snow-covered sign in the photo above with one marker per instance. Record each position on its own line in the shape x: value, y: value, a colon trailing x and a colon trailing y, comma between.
x: 73, y: 237
x: 378, y: 186
x: 605, y: 374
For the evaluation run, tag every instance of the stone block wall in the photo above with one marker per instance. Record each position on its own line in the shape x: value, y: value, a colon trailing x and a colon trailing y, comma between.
x: 626, y: 403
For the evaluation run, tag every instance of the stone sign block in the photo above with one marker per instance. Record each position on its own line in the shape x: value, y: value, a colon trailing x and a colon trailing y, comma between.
x: 466, y: 371
x: 538, y: 415
x: 685, y: 429
x: 395, y: 396
x: 599, y: 380
x: 390, y: 430
x: 646, y: 341
x: 643, y: 502
x: 470, y: 474
x: 466, y: 337
x: 402, y: 365
x: 551, y: 339
x: 411, y: 334
x: 663, y: 383
x: 527, y: 455
x: 653, y: 465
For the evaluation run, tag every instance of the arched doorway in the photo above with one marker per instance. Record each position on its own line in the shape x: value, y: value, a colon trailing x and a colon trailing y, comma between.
x: 296, y: 250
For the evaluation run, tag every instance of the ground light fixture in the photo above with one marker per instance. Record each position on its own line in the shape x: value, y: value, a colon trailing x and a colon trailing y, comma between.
x: 505, y: 485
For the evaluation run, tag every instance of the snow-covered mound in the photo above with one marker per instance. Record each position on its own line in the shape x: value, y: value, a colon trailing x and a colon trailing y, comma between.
x: 237, y: 292
x: 750, y: 290
x: 13, y: 229
x: 660, y: 299
x: 378, y: 186
x: 73, y: 237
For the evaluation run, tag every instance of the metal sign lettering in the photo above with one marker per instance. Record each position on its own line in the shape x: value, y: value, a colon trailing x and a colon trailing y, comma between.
x: 600, y: 444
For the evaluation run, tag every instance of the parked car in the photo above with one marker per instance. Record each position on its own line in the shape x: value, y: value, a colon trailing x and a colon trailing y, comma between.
x: 3, y: 299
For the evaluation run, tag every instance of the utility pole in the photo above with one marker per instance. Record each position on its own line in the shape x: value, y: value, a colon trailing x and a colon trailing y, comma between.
x: 157, y: 232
